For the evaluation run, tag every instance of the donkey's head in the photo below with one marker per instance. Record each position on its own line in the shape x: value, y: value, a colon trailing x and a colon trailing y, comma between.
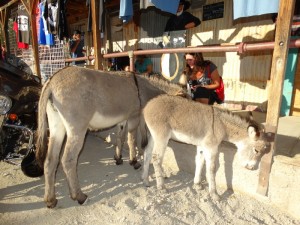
x: 253, y: 147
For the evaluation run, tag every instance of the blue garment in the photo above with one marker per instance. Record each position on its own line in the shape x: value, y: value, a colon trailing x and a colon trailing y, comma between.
x: 45, y: 38
x: 246, y: 8
x: 126, y: 10
x: 142, y: 68
x: 170, y: 6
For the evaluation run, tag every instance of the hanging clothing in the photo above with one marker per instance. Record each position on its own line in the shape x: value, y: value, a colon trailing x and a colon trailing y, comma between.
x: 62, y: 20
x: 89, y: 24
x: 101, y: 16
x: 44, y: 38
x: 126, y: 10
x: 23, y: 25
x: 170, y: 6
x: 51, y: 13
x: 19, y: 44
x: 246, y: 8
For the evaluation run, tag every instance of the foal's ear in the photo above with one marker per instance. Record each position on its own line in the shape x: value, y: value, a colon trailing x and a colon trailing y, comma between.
x: 253, y: 132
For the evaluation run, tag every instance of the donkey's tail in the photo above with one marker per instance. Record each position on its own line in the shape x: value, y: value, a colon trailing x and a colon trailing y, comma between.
x: 42, y: 138
x: 143, y: 130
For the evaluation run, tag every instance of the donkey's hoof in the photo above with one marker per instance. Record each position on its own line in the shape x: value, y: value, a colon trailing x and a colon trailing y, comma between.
x: 137, y: 166
x: 51, y: 204
x: 119, y: 160
x: 82, y: 200
x: 132, y: 162
x: 197, y: 186
x: 146, y: 183
x: 215, y: 197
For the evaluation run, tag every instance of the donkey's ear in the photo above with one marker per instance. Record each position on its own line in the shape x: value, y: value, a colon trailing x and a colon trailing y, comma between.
x: 252, y: 132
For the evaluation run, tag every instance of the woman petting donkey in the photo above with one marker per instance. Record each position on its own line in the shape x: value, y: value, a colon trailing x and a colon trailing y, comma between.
x: 203, y: 79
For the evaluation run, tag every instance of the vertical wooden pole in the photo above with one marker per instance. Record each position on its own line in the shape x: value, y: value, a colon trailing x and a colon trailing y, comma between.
x: 35, y: 45
x: 279, y: 60
x: 3, y: 26
x: 96, y: 34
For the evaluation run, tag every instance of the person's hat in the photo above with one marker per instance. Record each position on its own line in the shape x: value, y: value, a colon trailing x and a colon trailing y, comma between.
x: 186, y: 4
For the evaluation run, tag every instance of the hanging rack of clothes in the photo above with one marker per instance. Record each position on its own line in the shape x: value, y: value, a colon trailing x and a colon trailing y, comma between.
x: 21, y: 27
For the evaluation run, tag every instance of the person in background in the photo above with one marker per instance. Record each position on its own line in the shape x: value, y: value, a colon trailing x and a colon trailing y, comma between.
x: 143, y: 65
x: 110, y: 65
x: 76, y: 48
x: 126, y: 68
x: 182, y: 20
x: 203, y: 78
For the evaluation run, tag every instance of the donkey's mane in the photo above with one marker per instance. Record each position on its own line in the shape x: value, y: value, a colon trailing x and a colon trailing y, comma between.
x: 160, y: 82
x: 231, y: 118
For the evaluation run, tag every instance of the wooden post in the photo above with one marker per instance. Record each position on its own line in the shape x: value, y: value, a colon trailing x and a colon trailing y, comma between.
x: 3, y: 26
x: 35, y: 45
x: 279, y: 60
x: 96, y: 34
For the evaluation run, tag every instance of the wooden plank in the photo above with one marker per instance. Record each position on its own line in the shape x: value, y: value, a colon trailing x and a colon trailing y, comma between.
x: 96, y: 34
x: 3, y: 28
x: 35, y: 48
x: 282, y: 39
x: 8, y: 4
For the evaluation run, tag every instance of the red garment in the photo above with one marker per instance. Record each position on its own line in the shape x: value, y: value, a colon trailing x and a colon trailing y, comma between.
x: 20, y: 44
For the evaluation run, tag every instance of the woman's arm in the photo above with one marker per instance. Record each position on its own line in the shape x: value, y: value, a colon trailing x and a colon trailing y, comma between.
x: 149, y: 69
x: 149, y: 66
x: 215, y: 77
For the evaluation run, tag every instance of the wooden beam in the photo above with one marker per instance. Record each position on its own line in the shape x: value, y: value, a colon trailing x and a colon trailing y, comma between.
x: 96, y: 34
x: 8, y: 4
x: 35, y: 46
x: 279, y: 60
x: 3, y: 26
x: 26, y: 5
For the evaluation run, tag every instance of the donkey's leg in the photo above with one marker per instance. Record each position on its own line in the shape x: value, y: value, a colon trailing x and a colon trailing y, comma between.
x: 210, y: 155
x: 57, y: 134
x: 147, y: 159
x: 158, y: 154
x: 73, y: 147
x: 121, y: 130
x: 132, y: 135
x: 199, y: 161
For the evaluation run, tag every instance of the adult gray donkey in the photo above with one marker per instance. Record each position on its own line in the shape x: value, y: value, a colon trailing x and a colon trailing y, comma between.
x: 76, y: 99
x: 201, y: 125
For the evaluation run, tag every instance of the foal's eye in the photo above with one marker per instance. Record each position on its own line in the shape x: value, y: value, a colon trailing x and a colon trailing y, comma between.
x: 256, y: 151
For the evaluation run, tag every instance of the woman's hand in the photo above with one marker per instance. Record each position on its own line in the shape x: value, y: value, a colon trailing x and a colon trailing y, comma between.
x: 194, y: 87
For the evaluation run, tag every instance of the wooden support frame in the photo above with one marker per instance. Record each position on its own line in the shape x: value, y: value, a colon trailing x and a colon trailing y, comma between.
x: 96, y: 34
x: 279, y: 60
x: 3, y: 24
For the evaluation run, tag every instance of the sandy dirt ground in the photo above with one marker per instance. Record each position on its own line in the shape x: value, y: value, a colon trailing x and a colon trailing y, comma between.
x: 117, y: 196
